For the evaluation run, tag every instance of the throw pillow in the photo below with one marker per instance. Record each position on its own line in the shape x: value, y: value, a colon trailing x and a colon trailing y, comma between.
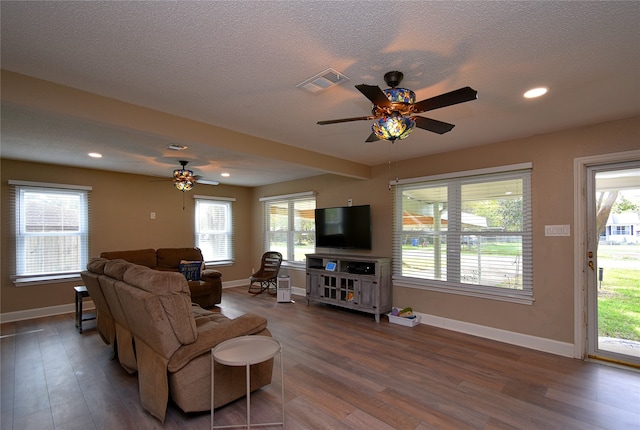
x: 191, y: 269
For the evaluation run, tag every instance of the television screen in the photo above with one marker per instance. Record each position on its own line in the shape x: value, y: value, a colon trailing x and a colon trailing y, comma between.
x: 346, y: 227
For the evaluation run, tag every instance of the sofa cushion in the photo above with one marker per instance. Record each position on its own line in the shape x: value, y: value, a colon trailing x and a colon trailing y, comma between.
x: 144, y: 257
x: 116, y: 268
x: 96, y: 265
x: 171, y: 291
x: 199, y: 288
x: 169, y: 258
x: 214, y: 328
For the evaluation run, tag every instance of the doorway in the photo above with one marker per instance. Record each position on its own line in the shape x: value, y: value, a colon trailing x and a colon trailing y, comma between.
x: 613, y: 262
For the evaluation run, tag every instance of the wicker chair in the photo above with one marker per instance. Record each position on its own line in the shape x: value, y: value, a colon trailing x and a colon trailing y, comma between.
x: 267, y: 275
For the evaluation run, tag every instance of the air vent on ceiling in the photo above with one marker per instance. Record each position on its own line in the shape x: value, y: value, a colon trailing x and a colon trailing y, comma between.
x: 176, y: 147
x: 322, y: 81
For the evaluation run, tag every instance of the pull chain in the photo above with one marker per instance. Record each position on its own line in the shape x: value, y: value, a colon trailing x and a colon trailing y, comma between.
x: 389, y: 163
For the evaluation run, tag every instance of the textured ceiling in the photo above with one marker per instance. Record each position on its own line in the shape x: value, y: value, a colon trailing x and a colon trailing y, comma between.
x: 236, y: 65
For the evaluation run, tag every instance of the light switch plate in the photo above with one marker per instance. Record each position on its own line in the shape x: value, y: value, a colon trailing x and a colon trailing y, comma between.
x: 557, y: 230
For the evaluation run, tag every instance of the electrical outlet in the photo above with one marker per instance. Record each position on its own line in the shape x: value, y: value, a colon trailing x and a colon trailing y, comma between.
x: 349, y: 202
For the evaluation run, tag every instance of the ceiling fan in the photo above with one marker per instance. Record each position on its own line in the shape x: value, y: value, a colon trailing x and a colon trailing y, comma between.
x: 184, y: 179
x: 395, y: 109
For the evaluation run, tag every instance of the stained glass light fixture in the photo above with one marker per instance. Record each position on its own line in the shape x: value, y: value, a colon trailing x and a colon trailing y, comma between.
x: 183, y: 178
x: 393, y: 127
x: 399, y: 124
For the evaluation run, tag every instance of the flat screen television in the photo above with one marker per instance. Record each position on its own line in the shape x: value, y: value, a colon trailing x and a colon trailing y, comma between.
x: 347, y: 227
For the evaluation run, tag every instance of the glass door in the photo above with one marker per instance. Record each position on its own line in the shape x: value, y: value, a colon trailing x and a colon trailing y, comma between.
x: 613, y: 261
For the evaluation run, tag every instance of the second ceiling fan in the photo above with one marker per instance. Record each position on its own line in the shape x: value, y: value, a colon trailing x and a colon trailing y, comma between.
x: 395, y: 109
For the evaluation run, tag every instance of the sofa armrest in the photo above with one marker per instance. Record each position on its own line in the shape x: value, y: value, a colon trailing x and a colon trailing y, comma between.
x: 210, y: 274
x: 214, y: 328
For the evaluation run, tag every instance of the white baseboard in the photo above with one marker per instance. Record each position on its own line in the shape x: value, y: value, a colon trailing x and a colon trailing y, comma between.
x: 532, y: 342
x: 49, y: 311
x: 236, y: 283
x: 245, y: 282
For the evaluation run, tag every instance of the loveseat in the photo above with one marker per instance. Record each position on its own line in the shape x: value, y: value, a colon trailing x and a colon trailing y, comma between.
x: 170, y: 338
x: 206, y: 289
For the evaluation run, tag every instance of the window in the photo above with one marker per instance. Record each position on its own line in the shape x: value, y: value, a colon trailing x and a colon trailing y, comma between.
x: 51, y: 230
x: 214, y: 228
x: 467, y: 233
x: 289, y: 223
x: 622, y: 230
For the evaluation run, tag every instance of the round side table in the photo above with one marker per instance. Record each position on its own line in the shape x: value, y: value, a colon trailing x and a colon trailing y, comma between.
x: 245, y: 351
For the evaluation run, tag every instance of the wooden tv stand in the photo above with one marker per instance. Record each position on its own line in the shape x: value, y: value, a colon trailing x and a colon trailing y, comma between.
x: 358, y: 282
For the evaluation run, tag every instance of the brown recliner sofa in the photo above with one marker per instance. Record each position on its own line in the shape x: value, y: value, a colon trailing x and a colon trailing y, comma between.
x: 206, y: 292
x: 173, y: 337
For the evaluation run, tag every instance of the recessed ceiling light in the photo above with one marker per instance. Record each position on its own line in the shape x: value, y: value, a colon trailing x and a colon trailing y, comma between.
x: 95, y: 155
x: 225, y: 174
x: 535, y: 92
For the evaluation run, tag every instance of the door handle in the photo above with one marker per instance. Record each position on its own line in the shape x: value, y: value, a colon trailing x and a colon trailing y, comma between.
x: 591, y: 265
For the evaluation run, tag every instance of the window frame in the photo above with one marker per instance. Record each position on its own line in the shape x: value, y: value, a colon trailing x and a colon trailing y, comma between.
x: 19, y: 275
x: 522, y: 171
x: 290, y: 200
x: 228, y: 203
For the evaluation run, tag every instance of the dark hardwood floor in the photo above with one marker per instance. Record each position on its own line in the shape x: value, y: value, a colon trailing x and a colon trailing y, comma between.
x: 342, y: 371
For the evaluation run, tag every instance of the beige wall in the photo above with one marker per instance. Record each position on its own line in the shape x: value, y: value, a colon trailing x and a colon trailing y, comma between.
x: 121, y: 205
x: 552, y: 155
x: 120, y: 219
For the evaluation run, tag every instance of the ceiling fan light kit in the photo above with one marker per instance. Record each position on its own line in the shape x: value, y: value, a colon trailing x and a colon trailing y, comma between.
x: 394, y: 109
x: 183, y: 178
x: 392, y: 128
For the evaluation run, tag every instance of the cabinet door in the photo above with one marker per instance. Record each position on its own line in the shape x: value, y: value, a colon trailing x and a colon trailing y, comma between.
x: 368, y: 293
x: 348, y: 290
x: 329, y: 287
x: 313, y: 285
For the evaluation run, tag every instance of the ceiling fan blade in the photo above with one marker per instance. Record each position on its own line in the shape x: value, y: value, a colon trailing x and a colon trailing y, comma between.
x: 375, y: 94
x: 432, y: 125
x: 336, y: 121
x: 447, y: 99
x: 372, y: 138
x: 207, y: 181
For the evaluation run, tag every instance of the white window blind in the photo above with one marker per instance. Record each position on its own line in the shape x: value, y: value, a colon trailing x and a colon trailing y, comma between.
x: 289, y: 225
x: 469, y: 234
x: 214, y: 228
x: 51, y: 227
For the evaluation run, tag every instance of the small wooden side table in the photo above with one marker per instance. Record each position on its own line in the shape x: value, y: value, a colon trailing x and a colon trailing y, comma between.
x: 245, y: 351
x: 81, y: 293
